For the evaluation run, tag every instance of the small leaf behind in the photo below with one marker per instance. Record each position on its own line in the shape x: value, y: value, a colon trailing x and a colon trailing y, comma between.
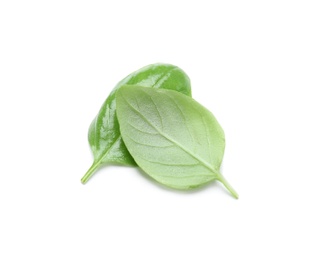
x: 104, y: 135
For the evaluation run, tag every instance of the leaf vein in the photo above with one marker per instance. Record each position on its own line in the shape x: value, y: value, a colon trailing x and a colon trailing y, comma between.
x: 159, y: 115
x: 145, y: 132
x: 150, y: 145
x: 183, y: 115
x: 172, y: 164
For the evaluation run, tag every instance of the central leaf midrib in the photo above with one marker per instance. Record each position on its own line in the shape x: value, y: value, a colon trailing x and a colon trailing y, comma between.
x: 170, y: 139
x: 105, y: 152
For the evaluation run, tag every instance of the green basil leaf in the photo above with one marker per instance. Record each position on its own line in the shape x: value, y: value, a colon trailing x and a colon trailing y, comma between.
x: 174, y: 139
x: 104, y: 135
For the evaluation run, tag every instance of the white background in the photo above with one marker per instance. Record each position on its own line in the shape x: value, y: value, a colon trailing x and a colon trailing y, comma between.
x: 255, y: 64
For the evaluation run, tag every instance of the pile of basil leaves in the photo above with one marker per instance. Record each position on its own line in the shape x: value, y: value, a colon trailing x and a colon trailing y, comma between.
x: 150, y: 120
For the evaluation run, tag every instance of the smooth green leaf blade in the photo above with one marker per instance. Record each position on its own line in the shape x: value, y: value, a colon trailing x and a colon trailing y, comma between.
x: 104, y: 135
x: 172, y: 138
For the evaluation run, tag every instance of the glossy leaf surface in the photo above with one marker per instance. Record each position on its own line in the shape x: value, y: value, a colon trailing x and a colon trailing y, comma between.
x: 104, y: 135
x: 172, y: 138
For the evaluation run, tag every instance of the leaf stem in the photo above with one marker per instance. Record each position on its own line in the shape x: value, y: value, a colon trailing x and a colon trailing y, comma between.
x: 90, y: 172
x: 228, y: 186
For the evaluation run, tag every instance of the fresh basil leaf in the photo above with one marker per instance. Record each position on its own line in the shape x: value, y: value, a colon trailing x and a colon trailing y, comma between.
x: 174, y: 139
x: 104, y: 135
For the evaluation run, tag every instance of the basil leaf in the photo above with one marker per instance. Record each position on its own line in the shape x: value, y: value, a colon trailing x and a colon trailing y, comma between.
x: 104, y: 135
x: 172, y: 138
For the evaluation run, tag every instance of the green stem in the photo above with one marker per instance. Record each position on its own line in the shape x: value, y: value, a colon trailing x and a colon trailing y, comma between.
x: 228, y: 186
x: 90, y: 172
